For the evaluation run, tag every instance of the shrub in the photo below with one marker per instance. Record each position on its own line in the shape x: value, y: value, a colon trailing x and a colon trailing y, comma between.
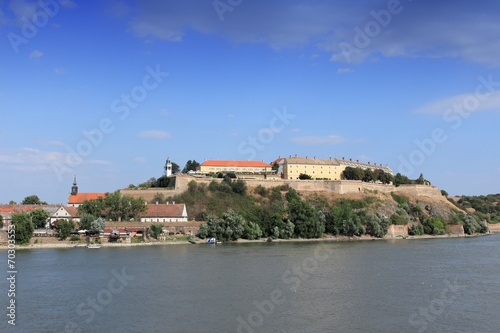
x: 398, y: 219
x: 262, y: 191
x: 416, y: 230
x: 74, y: 238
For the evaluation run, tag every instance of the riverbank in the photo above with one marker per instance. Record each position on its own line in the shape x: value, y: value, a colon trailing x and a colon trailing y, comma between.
x: 69, y: 244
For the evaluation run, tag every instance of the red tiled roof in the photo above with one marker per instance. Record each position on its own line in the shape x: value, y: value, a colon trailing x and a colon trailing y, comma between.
x: 73, y: 211
x: 79, y: 198
x: 231, y: 163
x: 163, y: 210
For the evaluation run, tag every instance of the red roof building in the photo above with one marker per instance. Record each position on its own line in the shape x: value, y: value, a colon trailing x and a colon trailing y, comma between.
x: 76, y: 199
x: 165, y: 213
x: 234, y: 166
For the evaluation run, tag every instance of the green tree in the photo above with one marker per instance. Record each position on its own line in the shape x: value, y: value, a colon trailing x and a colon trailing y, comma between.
x: 64, y: 228
x: 158, y: 198
x: 92, y: 207
x: 191, y: 166
x: 304, y: 176
x: 23, y: 227
x: 39, y: 217
x: 305, y: 218
x: 369, y: 176
x: 399, y: 179
x: 291, y: 195
x: 175, y: 168
x: 155, y: 230
x: 97, y: 225
x: 1, y: 221
x: 351, y: 173
x: 33, y: 200
x: 86, y: 220
x: 12, y: 202
x: 420, y: 180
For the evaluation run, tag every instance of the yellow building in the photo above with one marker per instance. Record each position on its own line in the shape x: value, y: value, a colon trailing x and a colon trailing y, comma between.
x: 331, y: 169
x: 292, y: 167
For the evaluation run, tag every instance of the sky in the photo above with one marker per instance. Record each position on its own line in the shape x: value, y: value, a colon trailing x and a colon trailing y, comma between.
x: 107, y: 90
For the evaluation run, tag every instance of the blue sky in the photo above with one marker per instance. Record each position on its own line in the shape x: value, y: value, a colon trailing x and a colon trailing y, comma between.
x: 107, y: 90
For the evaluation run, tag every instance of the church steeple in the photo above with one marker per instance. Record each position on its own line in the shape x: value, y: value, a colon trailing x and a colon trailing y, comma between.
x: 74, y: 188
x: 168, y: 167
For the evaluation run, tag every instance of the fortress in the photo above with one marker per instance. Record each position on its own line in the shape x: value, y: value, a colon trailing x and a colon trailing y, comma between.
x: 332, y: 186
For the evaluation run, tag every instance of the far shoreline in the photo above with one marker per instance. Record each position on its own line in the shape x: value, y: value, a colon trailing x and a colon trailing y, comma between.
x: 69, y: 244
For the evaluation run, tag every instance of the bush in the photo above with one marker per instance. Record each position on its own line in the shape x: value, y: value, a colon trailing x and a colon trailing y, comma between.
x: 304, y: 176
x: 416, y: 230
x: 155, y: 230
x: 397, y: 219
x: 262, y: 191
x: 400, y: 199
x: 74, y: 238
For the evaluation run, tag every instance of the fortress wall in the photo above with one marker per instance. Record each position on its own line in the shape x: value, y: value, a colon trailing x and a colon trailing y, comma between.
x: 494, y: 228
x: 457, y: 229
x: 397, y: 231
x: 333, y: 186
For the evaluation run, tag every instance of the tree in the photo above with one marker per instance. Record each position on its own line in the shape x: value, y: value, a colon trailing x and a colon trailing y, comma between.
x: 86, y: 220
x: 155, y: 230
x: 304, y: 176
x: 39, y: 217
x: 97, y: 225
x: 175, y: 168
x: 1, y: 221
x: 305, y: 218
x: 33, y: 200
x: 64, y: 228
x: 23, y: 227
x: 369, y: 176
x: 12, y: 202
x: 275, y: 167
x: 351, y: 173
x: 420, y: 180
x: 158, y: 198
x: 399, y: 179
x: 92, y: 207
x: 190, y: 166
x: 123, y: 208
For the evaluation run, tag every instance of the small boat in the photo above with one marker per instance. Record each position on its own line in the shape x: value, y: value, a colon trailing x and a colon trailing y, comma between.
x: 93, y: 246
x: 211, y: 240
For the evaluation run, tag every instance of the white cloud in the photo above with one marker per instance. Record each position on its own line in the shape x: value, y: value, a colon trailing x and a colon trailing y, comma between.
x: 59, y: 70
x: 466, y: 30
x: 465, y: 102
x: 318, y: 140
x: 343, y: 70
x: 32, y: 159
x: 154, y: 134
x: 36, y: 54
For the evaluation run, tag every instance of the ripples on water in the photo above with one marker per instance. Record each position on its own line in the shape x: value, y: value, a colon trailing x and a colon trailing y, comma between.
x: 437, y: 285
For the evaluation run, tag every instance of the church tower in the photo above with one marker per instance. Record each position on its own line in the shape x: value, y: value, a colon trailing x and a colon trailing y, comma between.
x: 168, y: 167
x: 74, y: 188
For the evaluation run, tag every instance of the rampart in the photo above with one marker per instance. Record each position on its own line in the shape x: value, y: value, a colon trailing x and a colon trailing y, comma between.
x: 333, y: 186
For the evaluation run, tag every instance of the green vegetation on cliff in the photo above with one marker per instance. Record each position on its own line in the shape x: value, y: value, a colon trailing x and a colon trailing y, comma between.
x: 231, y: 212
x: 486, y: 207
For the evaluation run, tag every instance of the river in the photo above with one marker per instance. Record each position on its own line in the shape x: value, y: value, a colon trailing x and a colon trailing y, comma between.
x: 423, y: 285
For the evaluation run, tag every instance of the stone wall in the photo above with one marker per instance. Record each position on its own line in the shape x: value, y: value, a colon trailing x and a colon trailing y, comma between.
x: 334, y: 186
x: 494, y: 228
x: 396, y: 231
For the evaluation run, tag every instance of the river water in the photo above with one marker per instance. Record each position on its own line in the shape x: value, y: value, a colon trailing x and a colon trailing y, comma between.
x: 427, y: 285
